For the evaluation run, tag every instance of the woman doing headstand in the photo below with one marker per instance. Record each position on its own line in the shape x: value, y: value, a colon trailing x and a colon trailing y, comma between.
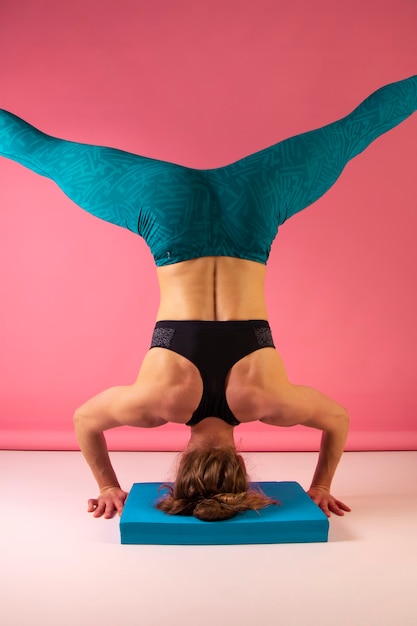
x: 212, y: 363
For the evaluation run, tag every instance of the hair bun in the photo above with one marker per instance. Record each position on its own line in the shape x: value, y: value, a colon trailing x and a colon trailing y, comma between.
x: 212, y: 508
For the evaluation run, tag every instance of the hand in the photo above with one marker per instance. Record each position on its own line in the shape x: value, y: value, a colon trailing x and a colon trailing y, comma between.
x: 321, y: 496
x: 109, y: 502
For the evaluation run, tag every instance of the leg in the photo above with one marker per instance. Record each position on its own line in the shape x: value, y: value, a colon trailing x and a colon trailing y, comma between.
x: 108, y: 183
x: 289, y: 176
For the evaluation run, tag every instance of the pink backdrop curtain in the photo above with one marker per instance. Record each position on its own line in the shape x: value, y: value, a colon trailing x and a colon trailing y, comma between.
x: 202, y: 84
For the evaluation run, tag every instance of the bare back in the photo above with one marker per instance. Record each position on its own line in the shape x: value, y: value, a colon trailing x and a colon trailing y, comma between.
x: 212, y: 288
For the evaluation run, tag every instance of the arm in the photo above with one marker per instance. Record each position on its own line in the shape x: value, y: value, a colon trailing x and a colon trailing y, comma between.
x: 331, y: 450
x: 327, y: 415
x: 94, y: 448
x: 111, y: 408
x: 297, y: 404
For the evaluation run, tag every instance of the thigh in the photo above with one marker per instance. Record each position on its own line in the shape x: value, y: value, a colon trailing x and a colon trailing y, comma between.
x: 289, y: 176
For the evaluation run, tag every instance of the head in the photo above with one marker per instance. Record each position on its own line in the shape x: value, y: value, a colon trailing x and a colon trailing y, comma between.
x: 212, y: 484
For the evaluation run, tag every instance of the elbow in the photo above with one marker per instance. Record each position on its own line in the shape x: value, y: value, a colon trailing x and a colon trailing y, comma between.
x: 81, y: 422
x: 78, y: 418
x: 344, y: 415
x: 342, y: 420
x: 78, y: 421
x: 86, y: 424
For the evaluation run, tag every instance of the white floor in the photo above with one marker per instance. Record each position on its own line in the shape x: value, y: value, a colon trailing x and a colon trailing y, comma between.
x: 59, y: 566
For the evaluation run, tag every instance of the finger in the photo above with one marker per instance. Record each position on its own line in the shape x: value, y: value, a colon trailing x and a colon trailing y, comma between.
x: 110, y: 510
x: 343, y: 506
x: 321, y: 504
x: 335, y: 509
x: 92, y: 505
x: 316, y: 498
x: 100, y: 510
x: 325, y: 509
x: 338, y: 507
x: 119, y: 506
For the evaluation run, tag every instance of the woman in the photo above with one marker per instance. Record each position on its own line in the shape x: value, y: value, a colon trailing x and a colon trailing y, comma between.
x: 212, y: 363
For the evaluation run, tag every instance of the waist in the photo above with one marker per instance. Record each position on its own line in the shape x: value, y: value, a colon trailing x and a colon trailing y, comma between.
x: 211, y: 324
x: 212, y: 288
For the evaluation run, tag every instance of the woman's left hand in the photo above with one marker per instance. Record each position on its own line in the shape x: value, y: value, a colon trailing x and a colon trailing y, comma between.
x: 328, y: 504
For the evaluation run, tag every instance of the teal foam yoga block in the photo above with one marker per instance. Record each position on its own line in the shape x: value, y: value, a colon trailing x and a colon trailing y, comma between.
x: 296, y: 520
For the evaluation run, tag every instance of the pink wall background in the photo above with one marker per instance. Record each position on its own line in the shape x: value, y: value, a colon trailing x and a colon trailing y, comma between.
x: 203, y: 83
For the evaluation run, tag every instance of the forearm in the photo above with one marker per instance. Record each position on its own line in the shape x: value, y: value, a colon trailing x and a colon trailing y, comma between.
x: 331, y: 450
x: 94, y: 448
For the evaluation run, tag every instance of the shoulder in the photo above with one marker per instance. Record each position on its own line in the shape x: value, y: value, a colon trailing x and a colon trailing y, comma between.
x: 170, y: 387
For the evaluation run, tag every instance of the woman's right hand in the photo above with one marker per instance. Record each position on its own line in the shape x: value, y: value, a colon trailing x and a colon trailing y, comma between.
x: 110, y: 501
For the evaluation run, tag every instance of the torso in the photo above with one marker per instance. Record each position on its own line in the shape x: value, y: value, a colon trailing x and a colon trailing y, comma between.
x: 211, y: 288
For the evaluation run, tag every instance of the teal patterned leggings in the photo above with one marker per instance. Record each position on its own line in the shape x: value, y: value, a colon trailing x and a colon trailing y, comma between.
x: 185, y: 213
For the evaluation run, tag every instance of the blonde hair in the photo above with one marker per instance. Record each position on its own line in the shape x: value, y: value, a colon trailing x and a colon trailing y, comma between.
x: 212, y: 484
